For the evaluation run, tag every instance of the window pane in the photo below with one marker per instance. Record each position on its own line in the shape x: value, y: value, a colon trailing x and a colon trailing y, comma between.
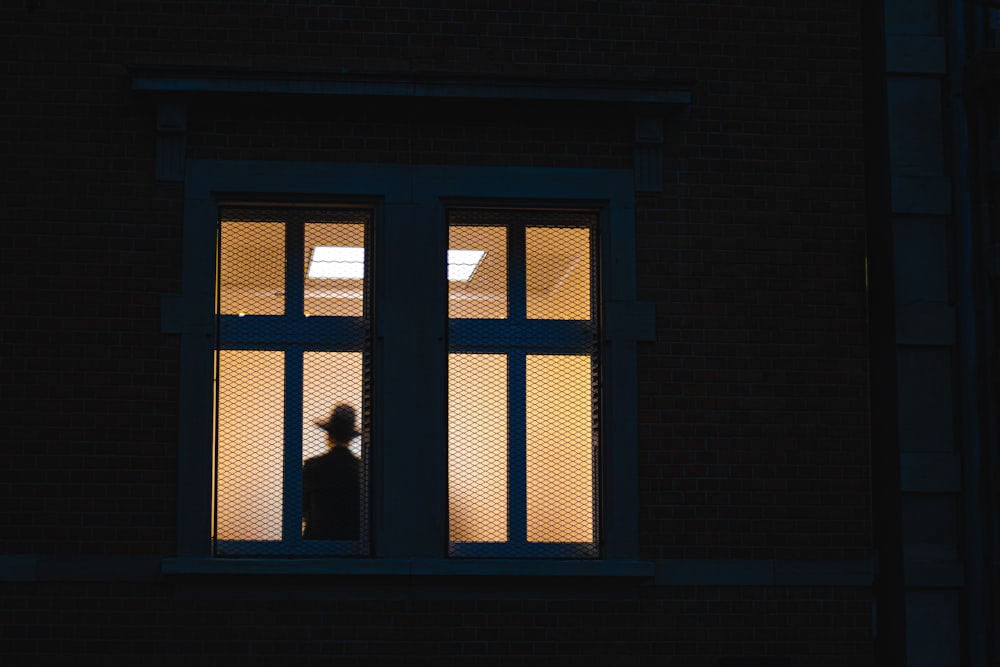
x: 484, y: 295
x: 477, y: 447
x: 560, y: 464
x: 330, y: 379
x: 252, y: 268
x: 558, y: 273
x: 250, y: 443
x: 334, y: 266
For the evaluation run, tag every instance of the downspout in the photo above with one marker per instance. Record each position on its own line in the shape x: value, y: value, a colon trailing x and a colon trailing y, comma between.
x: 987, y: 26
x: 968, y: 266
x: 889, y: 613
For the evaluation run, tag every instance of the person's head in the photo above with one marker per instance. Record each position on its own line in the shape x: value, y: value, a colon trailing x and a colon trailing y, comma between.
x: 340, y: 427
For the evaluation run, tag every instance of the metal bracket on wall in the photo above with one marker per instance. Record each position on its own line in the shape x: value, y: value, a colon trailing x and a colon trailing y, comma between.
x: 648, y: 154
x: 171, y: 135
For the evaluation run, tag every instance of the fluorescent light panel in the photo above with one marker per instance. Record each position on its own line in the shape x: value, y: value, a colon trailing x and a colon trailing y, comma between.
x: 337, y: 262
x: 349, y: 263
x: 463, y: 263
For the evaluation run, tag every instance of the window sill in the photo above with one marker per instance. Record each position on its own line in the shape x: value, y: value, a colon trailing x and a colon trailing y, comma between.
x: 409, y: 567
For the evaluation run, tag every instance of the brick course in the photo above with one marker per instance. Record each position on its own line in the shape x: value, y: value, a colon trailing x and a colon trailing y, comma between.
x: 536, y: 625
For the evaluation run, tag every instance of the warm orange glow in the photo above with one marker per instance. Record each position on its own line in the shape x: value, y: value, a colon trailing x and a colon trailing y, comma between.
x: 477, y: 447
x: 251, y: 431
x: 333, y: 297
x: 250, y: 444
x: 252, y: 269
x: 555, y: 498
x: 328, y: 378
x: 560, y: 497
x: 558, y: 273
x: 485, y: 295
x: 559, y: 449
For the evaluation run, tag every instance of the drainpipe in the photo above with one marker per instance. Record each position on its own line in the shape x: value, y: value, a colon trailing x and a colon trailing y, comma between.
x: 968, y: 267
x: 889, y: 613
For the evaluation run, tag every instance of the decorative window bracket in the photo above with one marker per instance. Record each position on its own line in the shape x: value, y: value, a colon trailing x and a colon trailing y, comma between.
x: 648, y: 166
x: 171, y: 135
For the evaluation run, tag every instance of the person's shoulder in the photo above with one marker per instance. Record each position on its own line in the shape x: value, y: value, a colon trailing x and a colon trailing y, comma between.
x: 342, y: 454
x: 317, y: 461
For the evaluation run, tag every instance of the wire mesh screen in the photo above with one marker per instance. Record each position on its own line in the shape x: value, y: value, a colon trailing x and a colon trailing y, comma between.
x: 523, y: 386
x: 557, y: 273
x: 250, y: 437
x: 252, y: 280
x: 335, y: 263
x: 292, y: 382
x: 559, y: 448
x: 477, y: 447
x: 482, y: 293
x: 333, y: 458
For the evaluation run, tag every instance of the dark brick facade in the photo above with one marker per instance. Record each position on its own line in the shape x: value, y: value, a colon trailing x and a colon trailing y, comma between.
x: 387, y: 624
x: 753, y: 406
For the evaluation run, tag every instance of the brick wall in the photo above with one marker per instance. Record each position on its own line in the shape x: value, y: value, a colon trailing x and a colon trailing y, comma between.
x: 382, y: 624
x: 753, y: 406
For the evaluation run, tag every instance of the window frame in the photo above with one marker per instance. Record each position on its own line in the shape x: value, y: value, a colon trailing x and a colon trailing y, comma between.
x: 295, y: 334
x: 411, y: 204
x: 516, y: 337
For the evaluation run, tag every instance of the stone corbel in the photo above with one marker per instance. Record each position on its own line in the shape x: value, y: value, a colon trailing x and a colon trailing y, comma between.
x: 171, y: 136
x: 648, y: 154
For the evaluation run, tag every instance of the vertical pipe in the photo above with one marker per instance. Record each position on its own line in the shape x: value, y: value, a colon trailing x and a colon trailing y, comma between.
x: 991, y: 457
x: 890, y: 610
x: 967, y: 267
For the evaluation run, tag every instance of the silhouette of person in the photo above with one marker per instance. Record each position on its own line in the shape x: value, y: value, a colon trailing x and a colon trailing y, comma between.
x: 331, y: 488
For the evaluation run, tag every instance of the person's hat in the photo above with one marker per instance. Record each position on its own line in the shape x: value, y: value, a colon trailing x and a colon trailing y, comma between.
x: 341, y: 422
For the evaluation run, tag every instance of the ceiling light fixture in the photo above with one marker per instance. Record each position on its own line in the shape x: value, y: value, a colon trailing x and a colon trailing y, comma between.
x: 337, y: 262
x: 348, y: 263
x: 462, y: 264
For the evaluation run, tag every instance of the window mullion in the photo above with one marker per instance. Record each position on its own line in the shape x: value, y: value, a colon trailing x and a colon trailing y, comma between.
x: 291, y: 522
x: 294, y: 308
x: 517, y: 476
x: 517, y: 468
x: 294, y: 272
x: 517, y: 289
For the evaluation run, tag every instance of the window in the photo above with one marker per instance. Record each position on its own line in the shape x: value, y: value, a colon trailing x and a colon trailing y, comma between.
x: 293, y: 338
x: 522, y: 386
x: 522, y: 379
x: 480, y: 322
